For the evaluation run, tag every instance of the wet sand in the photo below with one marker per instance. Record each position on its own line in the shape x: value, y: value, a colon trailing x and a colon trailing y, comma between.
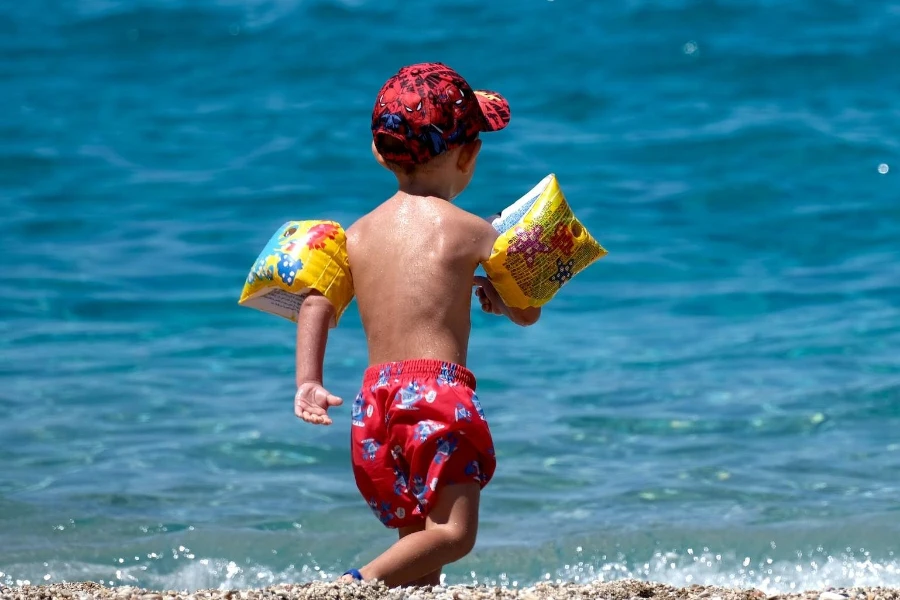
x: 617, y: 590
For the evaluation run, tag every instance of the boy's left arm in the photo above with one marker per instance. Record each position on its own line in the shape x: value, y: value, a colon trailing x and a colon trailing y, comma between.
x: 312, y: 400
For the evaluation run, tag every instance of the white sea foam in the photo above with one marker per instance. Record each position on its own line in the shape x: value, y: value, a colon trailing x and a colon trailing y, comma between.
x: 816, y: 570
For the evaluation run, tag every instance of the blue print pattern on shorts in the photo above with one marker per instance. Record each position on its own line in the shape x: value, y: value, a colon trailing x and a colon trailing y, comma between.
x: 382, y: 511
x: 369, y: 449
x: 477, y: 406
x: 445, y: 447
x: 462, y: 413
x: 400, y: 484
x: 473, y: 470
x: 408, y: 396
x: 418, y: 488
x: 447, y: 375
x: 425, y: 428
x: 357, y: 412
x: 384, y: 377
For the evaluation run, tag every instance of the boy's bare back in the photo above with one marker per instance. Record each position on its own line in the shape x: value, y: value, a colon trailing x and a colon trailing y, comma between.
x: 413, y: 260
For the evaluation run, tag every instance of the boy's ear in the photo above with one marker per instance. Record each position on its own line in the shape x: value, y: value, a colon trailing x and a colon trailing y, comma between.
x: 468, y: 155
x: 379, y: 157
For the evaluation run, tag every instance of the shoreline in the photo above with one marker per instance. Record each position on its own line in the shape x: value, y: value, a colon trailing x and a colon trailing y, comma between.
x: 628, y: 589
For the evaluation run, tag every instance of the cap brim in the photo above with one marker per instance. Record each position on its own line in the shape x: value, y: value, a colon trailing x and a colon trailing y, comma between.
x: 495, y: 109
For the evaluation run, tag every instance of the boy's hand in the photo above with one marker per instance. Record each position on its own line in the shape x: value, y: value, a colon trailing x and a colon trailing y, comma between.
x: 487, y: 296
x: 492, y: 303
x: 312, y: 401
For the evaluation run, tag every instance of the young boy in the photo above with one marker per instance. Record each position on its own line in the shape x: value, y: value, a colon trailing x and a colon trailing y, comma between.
x: 421, y: 448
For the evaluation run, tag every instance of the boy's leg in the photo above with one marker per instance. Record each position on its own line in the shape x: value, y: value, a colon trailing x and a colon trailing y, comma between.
x: 433, y: 578
x: 449, y: 534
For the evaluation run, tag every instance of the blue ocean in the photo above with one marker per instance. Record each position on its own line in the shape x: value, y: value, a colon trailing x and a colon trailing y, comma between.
x: 717, y: 401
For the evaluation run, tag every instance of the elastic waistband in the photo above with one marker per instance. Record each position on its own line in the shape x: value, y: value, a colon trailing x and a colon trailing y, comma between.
x: 421, y: 367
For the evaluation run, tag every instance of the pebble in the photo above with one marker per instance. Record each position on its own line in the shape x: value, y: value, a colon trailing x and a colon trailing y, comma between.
x: 616, y: 590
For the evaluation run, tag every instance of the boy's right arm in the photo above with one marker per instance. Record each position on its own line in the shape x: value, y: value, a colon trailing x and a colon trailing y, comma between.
x: 492, y: 302
x: 312, y: 400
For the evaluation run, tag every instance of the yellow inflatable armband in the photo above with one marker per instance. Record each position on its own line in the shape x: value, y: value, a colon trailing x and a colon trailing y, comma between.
x: 300, y: 256
x: 541, y: 246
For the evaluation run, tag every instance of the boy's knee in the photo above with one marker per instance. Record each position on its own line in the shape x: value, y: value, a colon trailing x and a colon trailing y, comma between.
x: 456, y: 517
x: 466, y: 543
x: 460, y: 538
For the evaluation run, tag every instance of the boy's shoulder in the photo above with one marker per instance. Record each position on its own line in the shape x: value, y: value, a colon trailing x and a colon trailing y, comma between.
x: 452, y: 217
x: 449, y: 213
x: 469, y: 221
x: 361, y: 225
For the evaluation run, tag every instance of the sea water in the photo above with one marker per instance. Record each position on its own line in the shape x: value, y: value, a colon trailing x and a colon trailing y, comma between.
x: 716, y: 401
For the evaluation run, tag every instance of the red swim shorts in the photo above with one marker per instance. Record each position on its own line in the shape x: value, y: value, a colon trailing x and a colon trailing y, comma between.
x: 417, y: 426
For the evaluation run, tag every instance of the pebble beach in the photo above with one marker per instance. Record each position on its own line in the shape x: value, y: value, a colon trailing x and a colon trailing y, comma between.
x: 715, y: 403
x: 617, y: 590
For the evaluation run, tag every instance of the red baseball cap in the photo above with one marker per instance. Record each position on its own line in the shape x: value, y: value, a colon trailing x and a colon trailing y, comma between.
x: 430, y: 108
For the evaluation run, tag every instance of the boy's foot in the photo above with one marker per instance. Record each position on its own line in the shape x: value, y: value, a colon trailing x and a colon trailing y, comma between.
x: 351, y: 575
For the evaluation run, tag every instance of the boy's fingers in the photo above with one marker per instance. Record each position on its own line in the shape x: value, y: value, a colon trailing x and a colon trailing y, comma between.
x: 320, y: 420
x: 315, y: 419
x: 311, y: 396
x: 324, y: 399
x: 479, y: 280
x: 311, y: 403
x: 310, y: 408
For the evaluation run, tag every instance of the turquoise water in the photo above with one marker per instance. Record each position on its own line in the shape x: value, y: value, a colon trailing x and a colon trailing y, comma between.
x: 717, y: 401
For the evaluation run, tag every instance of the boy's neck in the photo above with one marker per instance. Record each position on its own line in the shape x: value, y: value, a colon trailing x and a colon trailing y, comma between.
x: 426, y: 188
